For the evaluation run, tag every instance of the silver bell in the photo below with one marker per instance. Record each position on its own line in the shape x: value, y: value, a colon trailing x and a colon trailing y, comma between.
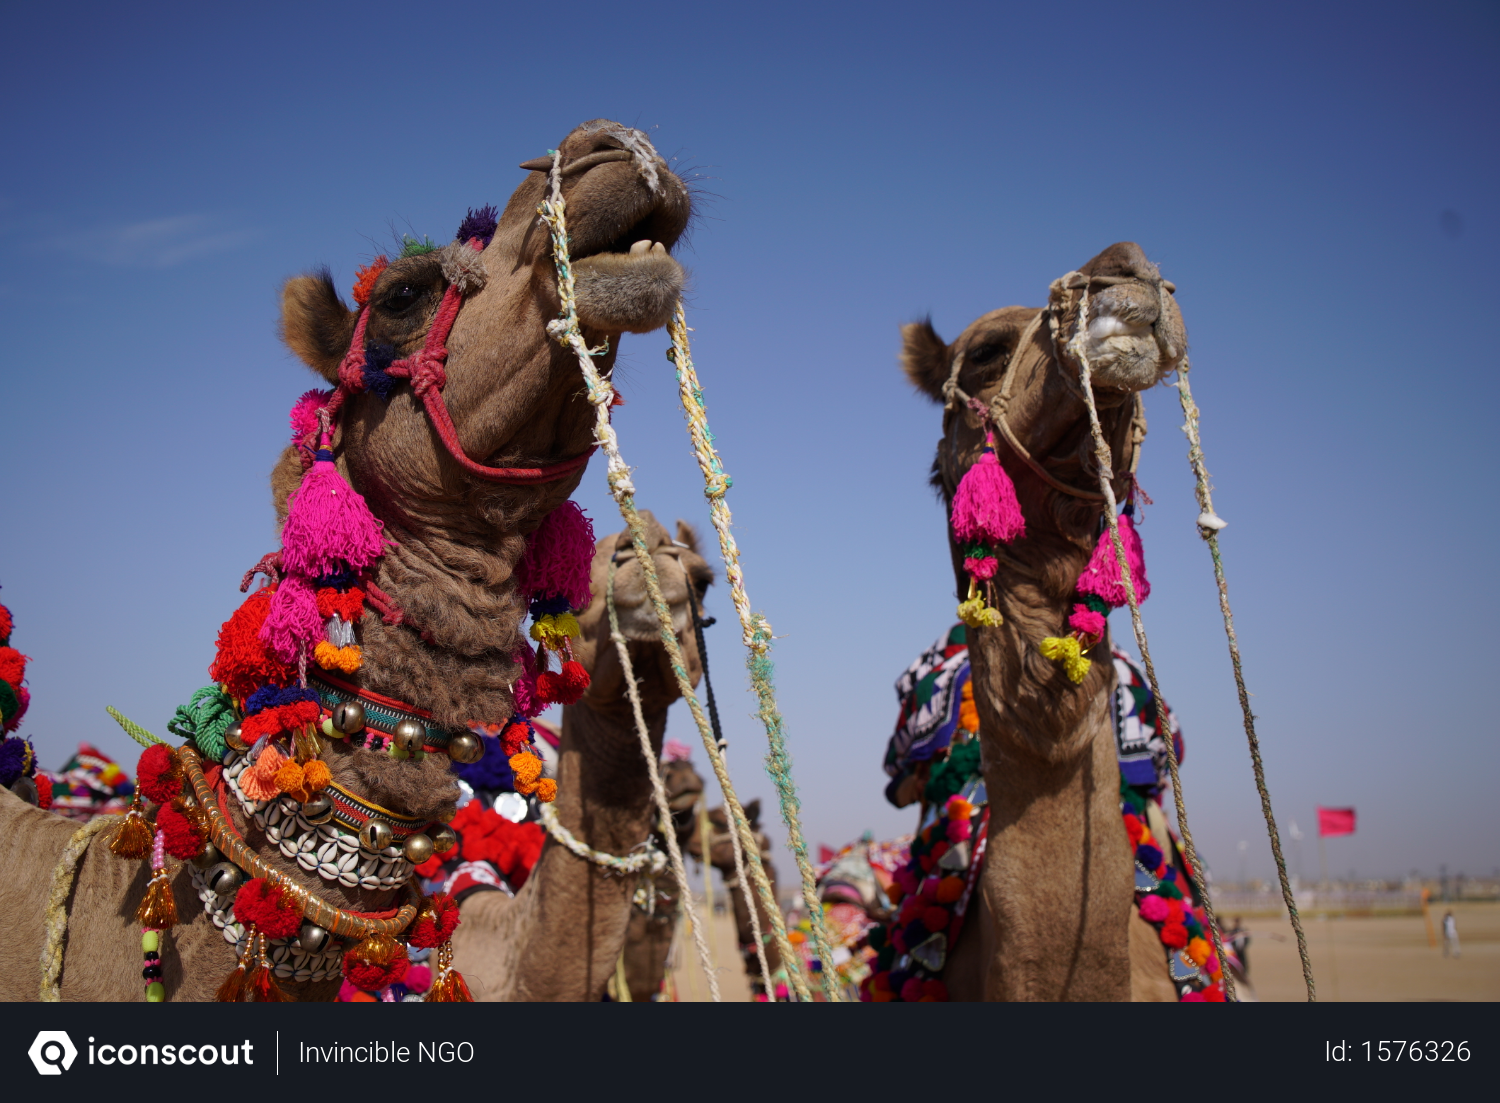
x: 418, y: 848
x: 225, y: 878
x: 444, y: 839
x: 26, y: 789
x: 349, y: 717
x: 208, y: 856
x: 375, y: 835
x: 409, y: 736
x: 312, y: 938
x: 235, y: 739
x: 465, y: 748
x: 318, y: 809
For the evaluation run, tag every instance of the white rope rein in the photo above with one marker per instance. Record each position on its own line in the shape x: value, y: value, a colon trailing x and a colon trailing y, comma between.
x: 643, y: 859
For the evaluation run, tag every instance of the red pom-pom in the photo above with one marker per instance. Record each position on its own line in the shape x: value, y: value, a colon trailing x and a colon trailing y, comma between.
x: 549, y: 688
x: 371, y: 977
x: 13, y: 666
x: 575, y: 679
x: 268, y: 907
x: 1174, y: 935
x: 432, y: 930
x: 365, y: 277
x: 911, y: 907
x: 180, y: 836
x: 934, y: 918
x: 348, y: 606
x: 242, y: 663
x: 911, y: 991
x: 6, y: 624
x: 157, y: 774
x: 934, y: 991
x: 43, y: 791
x: 515, y: 736
x: 1214, y: 993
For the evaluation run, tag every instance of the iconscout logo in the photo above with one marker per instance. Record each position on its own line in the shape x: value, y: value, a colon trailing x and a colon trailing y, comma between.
x: 52, y: 1051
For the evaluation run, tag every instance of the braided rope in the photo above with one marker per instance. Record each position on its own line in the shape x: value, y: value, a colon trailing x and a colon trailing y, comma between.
x: 756, y: 634
x: 1105, y: 464
x: 658, y: 790
x: 57, y: 906
x: 1211, y: 537
x: 644, y: 859
x: 600, y: 394
x: 132, y: 729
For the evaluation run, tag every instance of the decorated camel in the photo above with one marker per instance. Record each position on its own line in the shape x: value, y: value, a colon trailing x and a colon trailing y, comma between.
x: 1078, y: 898
x: 420, y: 523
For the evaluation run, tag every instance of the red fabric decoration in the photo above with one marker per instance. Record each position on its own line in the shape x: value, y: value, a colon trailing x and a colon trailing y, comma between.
x: 934, y: 991
x: 280, y: 718
x: 6, y: 624
x: 365, y: 277
x: 432, y: 930
x: 348, y: 606
x: 575, y: 680
x: 1174, y: 935
x: 268, y: 907
x: 1133, y: 827
x: 372, y: 977
x: 180, y: 835
x: 157, y: 774
x: 1214, y: 993
x: 12, y: 666
x: 242, y: 663
x: 512, y: 848
x: 513, y: 738
x: 934, y: 918
x: 43, y: 791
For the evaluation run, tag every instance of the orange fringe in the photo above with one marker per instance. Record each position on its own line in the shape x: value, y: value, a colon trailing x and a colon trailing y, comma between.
x: 158, y: 911
x: 133, y: 837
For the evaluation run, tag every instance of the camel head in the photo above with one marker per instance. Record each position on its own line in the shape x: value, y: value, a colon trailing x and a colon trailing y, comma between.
x: 720, y: 846
x: 678, y: 567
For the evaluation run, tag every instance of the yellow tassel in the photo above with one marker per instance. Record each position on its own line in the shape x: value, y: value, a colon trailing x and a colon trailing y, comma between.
x: 553, y: 629
x: 158, y: 911
x: 317, y: 775
x: 1066, y: 650
x: 566, y: 625
x: 450, y: 986
x: 133, y: 837
x: 974, y: 613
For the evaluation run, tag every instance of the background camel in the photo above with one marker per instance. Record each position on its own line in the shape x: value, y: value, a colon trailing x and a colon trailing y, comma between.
x: 513, y: 394
x: 1054, y: 918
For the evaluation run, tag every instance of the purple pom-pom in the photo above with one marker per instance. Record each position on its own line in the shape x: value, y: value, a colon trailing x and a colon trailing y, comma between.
x: 17, y: 759
x: 492, y: 772
x: 481, y: 224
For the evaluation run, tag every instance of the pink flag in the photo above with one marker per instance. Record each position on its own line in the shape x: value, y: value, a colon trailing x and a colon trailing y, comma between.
x: 1335, y: 821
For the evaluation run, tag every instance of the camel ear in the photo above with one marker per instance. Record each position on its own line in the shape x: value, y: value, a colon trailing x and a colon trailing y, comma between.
x: 925, y: 358
x: 315, y: 323
x: 686, y: 534
x: 752, y: 814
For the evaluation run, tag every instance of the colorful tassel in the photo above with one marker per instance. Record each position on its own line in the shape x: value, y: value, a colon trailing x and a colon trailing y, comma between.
x: 985, y: 509
x: 242, y: 664
x: 329, y: 528
x: 133, y: 837
x: 449, y: 987
x: 1067, y: 651
x: 559, y: 556
x: 292, y: 622
x: 344, y: 659
x: 1102, y: 575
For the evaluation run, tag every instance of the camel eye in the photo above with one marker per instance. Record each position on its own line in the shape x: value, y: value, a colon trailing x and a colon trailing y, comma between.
x: 400, y: 298
x: 984, y: 354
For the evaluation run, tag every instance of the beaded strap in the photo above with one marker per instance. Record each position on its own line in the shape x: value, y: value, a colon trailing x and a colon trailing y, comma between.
x: 379, y: 716
x: 344, y: 924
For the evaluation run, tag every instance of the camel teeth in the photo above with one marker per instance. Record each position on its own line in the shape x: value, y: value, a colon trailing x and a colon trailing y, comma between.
x: 658, y: 250
x: 640, y: 248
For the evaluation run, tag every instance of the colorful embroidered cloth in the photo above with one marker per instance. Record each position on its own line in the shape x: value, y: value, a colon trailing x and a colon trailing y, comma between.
x: 1143, y: 751
x: 90, y: 784
x: 929, y: 694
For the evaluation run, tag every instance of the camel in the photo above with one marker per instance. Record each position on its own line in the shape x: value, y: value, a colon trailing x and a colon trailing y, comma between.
x: 1054, y: 913
x: 449, y: 625
x: 603, y: 785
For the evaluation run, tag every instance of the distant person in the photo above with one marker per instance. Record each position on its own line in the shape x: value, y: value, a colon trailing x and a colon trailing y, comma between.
x: 1239, y: 942
x: 1450, y: 935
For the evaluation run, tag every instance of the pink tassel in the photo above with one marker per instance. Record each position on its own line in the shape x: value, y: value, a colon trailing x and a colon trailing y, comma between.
x: 328, y: 526
x: 293, y: 619
x: 985, y: 509
x: 528, y: 703
x: 1102, y: 576
x: 982, y: 568
x: 1087, y: 621
x: 559, y: 557
x: 305, y: 413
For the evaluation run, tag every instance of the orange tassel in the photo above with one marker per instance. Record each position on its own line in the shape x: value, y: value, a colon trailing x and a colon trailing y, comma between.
x: 233, y: 989
x: 377, y: 949
x: 133, y: 837
x: 158, y: 911
x: 450, y: 986
x: 317, y: 775
x: 262, y: 987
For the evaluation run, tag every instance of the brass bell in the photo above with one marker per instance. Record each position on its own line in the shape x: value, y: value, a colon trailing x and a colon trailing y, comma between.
x: 225, y: 878
x: 375, y: 835
x: 349, y: 717
x: 465, y: 747
x: 418, y: 849
x: 208, y: 856
x: 312, y: 938
x: 444, y: 839
x: 234, y: 738
x: 317, y: 809
x: 409, y: 736
x: 26, y: 789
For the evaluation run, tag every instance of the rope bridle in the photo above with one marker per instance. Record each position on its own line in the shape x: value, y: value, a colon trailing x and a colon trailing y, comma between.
x: 996, y: 410
x: 426, y: 372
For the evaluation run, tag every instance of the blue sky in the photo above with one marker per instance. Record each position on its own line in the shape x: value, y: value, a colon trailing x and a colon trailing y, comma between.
x: 1319, y: 186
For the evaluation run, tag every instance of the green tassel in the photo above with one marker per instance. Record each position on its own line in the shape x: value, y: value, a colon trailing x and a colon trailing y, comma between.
x: 132, y: 729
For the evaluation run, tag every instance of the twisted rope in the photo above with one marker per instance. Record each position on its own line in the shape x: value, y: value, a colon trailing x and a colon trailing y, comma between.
x: 658, y: 790
x: 1208, y: 525
x: 600, y: 394
x: 757, y: 638
x: 1106, y: 464
x: 56, y: 929
x: 644, y: 859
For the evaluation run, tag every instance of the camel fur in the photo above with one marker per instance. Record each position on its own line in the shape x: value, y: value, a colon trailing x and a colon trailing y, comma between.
x: 515, y: 398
